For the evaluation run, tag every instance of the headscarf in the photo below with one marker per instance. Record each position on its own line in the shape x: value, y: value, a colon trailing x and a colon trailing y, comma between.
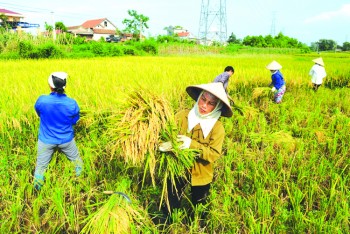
x: 206, y: 121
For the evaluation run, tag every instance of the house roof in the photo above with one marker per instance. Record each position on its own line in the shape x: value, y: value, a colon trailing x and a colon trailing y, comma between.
x: 11, y: 13
x: 183, y: 34
x: 92, y: 23
x: 104, y: 31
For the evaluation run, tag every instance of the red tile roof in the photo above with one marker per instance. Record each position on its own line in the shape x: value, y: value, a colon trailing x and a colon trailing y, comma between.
x: 183, y: 34
x: 9, y: 12
x: 92, y: 23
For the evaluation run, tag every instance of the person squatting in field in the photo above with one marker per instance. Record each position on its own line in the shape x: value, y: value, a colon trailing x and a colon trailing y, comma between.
x: 317, y: 73
x: 199, y: 129
x: 278, y: 84
x: 58, y: 113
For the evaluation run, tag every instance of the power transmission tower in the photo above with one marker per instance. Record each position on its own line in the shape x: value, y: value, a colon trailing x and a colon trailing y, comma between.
x: 273, y: 24
x: 212, y: 23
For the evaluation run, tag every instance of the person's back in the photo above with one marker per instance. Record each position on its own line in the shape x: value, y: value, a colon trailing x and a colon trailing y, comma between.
x: 58, y: 113
x: 317, y: 74
x: 225, y: 76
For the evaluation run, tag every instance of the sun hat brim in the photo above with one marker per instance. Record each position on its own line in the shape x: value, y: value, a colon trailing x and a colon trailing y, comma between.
x: 319, y: 61
x: 217, y: 89
x: 274, y: 66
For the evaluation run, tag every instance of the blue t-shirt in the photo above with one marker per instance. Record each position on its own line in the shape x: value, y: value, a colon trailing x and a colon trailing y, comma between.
x: 58, y: 113
x: 277, y: 80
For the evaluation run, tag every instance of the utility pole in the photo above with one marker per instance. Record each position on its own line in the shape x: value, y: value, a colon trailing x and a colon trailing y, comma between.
x: 140, y: 29
x: 53, y: 27
x: 273, y: 24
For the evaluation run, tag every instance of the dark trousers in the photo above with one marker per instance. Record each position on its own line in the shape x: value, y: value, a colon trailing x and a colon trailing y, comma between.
x: 315, y: 86
x: 199, y: 195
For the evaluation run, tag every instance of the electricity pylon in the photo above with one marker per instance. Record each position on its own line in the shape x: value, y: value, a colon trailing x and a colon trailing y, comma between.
x: 212, y: 23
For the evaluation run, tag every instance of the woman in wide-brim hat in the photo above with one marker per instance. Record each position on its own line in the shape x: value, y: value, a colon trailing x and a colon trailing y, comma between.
x: 278, y: 84
x: 200, y: 129
x: 317, y: 73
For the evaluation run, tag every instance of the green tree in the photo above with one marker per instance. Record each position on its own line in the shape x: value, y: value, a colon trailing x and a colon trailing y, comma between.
x: 3, y: 21
x: 60, y: 26
x: 326, y: 44
x: 48, y: 27
x: 346, y: 46
x: 232, y: 39
x: 137, y: 24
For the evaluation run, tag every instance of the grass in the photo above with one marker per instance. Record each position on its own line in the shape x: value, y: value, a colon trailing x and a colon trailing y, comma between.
x: 285, y: 167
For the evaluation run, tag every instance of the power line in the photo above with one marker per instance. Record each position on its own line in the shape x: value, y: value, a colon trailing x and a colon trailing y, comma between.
x: 20, y: 7
x: 31, y: 9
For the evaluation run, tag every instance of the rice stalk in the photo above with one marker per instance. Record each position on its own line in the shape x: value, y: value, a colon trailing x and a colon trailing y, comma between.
x: 280, y: 139
x: 118, y: 216
x: 174, y: 164
x: 135, y: 129
x: 261, y: 92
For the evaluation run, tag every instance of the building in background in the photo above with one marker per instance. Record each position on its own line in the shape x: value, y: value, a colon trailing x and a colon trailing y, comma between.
x: 15, y: 21
x: 94, y: 29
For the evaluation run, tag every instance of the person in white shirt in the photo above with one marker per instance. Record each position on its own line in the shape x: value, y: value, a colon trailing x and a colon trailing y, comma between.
x: 317, y: 73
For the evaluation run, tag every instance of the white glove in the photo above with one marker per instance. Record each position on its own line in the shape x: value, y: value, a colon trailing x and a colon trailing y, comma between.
x: 165, y: 146
x: 186, y: 141
x: 273, y: 89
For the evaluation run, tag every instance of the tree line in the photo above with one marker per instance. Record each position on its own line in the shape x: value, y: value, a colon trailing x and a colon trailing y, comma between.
x: 138, y: 22
x: 282, y: 41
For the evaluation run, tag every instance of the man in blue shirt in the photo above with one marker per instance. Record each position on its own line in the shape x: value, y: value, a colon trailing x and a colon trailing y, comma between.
x: 58, y: 113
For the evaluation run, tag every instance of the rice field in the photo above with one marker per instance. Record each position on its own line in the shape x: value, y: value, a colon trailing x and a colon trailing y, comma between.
x: 285, y: 167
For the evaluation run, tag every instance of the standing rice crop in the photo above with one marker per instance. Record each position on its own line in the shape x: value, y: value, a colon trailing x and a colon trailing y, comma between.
x: 261, y: 92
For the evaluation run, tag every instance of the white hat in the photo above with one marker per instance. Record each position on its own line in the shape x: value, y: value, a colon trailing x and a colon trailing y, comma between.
x: 57, y: 75
x: 319, y: 61
x: 274, y: 66
x: 217, y: 89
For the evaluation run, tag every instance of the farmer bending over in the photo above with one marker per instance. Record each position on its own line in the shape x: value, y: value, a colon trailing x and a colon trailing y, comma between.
x: 278, y: 84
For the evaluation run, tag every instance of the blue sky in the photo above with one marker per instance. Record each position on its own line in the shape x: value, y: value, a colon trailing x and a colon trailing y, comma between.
x: 306, y: 20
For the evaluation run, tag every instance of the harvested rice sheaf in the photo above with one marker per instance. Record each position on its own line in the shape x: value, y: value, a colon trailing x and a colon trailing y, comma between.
x: 135, y: 130
x: 144, y: 121
x: 118, y: 216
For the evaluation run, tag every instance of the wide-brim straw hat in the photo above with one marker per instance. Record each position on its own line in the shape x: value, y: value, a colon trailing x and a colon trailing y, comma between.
x: 319, y: 61
x: 217, y: 89
x: 274, y: 66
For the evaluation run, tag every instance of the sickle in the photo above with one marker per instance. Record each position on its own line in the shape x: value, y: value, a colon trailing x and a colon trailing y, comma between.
x: 120, y: 193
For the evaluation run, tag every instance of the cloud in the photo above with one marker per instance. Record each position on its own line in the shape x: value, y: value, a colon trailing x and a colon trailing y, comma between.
x: 344, y: 11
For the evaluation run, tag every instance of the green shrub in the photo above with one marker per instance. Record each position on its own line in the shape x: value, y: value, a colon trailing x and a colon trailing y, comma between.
x: 49, y: 50
x: 25, y: 48
x: 232, y: 48
x: 130, y: 50
x: 115, y: 50
x: 97, y: 48
x: 10, y: 55
x: 78, y: 40
x: 149, y: 46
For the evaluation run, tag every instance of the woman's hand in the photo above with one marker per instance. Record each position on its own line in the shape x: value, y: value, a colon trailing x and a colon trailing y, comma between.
x: 186, y: 141
x: 165, y: 146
